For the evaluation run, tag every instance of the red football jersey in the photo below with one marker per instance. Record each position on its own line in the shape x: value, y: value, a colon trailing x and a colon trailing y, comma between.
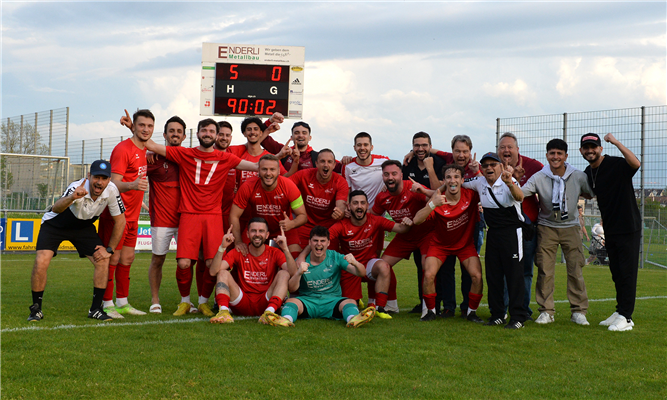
x: 319, y: 199
x: 255, y: 274
x: 165, y: 193
x: 230, y: 187
x: 269, y: 205
x: 202, y: 177
x: 455, y: 225
x: 241, y: 151
x: 130, y: 161
x: 365, y: 241
x: 405, y: 204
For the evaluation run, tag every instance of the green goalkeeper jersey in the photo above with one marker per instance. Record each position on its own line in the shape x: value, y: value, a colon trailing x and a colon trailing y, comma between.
x: 323, y: 279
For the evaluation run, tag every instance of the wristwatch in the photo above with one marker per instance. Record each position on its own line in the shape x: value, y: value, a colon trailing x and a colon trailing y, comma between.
x: 109, y: 250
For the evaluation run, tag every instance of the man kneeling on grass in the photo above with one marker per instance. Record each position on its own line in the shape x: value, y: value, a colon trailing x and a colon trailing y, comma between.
x: 318, y: 284
x: 258, y: 281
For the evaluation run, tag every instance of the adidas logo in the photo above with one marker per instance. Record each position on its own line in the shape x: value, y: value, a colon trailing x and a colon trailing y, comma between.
x: 296, y: 81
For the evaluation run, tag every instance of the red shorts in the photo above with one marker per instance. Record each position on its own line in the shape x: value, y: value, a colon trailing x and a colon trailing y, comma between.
x: 462, y: 254
x: 401, y: 248
x: 225, y: 222
x: 303, y: 233
x: 250, y: 304
x: 197, y: 231
x: 129, y: 238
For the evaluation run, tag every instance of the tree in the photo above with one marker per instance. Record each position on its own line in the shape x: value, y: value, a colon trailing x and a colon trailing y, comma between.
x: 43, y: 189
x: 6, y: 177
x: 19, y: 139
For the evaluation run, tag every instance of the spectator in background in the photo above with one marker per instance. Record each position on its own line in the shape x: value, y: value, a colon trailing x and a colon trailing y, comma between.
x: 479, y: 228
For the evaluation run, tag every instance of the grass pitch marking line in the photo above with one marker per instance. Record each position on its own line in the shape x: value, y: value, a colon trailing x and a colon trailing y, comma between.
x: 190, y: 320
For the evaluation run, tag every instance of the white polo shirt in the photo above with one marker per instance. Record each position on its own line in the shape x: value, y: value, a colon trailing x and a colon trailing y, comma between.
x: 87, y: 209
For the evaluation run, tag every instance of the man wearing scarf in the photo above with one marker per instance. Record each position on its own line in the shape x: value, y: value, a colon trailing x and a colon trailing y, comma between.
x: 558, y: 186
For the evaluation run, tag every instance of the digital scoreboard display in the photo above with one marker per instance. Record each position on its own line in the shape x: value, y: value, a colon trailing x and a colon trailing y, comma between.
x: 245, y: 80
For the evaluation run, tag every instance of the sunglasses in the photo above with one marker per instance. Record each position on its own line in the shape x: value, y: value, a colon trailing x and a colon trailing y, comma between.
x: 491, y: 164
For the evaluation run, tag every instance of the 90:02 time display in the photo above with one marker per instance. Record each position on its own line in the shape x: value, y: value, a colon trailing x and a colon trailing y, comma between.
x: 232, y: 105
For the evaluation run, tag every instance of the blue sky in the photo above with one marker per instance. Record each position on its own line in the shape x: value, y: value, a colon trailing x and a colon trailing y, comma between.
x: 390, y: 69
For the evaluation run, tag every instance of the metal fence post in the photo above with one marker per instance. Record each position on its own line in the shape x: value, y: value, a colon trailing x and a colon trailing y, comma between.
x: 34, y: 145
x: 101, y: 148
x: 21, y: 136
x: 66, y: 132
x: 51, y: 133
x: 497, y: 133
x: 641, y: 185
x: 565, y: 127
x: 83, y: 151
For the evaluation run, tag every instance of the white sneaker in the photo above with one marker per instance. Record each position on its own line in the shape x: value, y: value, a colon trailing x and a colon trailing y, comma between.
x: 621, y: 324
x: 544, y: 318
x: 607, y: 321
x: 111, y: 311
x: 579, y: 318
x: 392, y: 306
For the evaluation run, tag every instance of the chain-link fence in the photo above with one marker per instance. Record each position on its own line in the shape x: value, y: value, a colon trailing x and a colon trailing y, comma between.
x: 643, y: 130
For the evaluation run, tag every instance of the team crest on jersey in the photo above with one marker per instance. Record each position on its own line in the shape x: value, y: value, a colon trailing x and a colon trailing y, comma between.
x: 311, y: 186
x: 368, y: 228
x: 264, y: 262
x: 330, y: 190
x: 257, y: 195
x: 279, y: 196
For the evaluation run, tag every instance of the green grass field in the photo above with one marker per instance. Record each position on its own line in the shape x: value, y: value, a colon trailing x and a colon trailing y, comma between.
x: 164, y: 357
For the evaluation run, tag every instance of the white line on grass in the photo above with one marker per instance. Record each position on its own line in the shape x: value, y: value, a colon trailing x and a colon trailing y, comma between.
x: 190, y: 320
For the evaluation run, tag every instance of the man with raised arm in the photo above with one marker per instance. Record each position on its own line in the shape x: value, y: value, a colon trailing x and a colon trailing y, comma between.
x: 324, y: 193
x: 362, y: 235
x: 610, y: 179
x: 128, y: 173
x: 257, y: 283
x: 501, y: 198
x: 71, y: 218
x: 456, y: 214
x: 317, y: 286
x: 558, y: 186
x: 524, y: 167
x: 202, y: 176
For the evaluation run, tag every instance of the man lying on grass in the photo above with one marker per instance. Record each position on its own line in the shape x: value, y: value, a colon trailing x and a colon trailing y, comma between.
x: 318, y: 283
x: 258, y: 281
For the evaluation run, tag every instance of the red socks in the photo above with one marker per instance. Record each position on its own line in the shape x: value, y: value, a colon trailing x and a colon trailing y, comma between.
x: 429, y: 299
x: 108, y: 293
x: 122, y: 281
x: 222, y: 300
x: 274, y: 302
x: 209, y: 283
x: 184, y: 280
x: 473, y: 300
x: 381, y: 299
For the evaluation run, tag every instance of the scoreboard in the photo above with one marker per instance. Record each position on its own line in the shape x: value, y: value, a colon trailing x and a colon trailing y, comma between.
x: 245, y: 80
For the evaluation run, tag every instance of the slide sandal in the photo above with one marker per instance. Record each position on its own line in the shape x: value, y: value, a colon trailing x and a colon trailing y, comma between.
x: 155, y: 309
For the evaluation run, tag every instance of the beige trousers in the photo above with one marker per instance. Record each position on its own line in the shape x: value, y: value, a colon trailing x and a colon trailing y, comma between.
x: 548, y: 240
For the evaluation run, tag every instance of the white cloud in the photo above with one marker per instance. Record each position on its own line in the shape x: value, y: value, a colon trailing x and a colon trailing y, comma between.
x: 518, y: 91
x: 568, y: 78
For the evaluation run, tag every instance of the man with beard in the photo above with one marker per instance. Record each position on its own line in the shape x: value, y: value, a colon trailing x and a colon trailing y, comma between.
x: 427, y: 171
x: 258, y: 279
x: 202, y: 175
x: 128, y: 173
x: 318, y: 284
x: 165, y: 195
x: 455, y: 217
x: 524, y: 167
x: 272, y: 197
x: 501, y: 197
x: 462, y: 156
x: 301, y: 155
x: 558, y: 187
x: 610, y: 179
x: 71, y: 218
x: 253, y: 130
x: 400, y: 201
x: 324, y: 193
x: 362, y: 235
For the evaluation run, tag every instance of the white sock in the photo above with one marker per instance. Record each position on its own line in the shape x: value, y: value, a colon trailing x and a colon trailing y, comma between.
x: 120, y: 302
x: 185, y: 299
x: 289, y: 317
x: 270, y: 309
x: 470, y: 310
x: 348, y: 318
x: 107, y: 303
x: 224, y: 308
x: 204, y: 300
x: 394, y: 303
x: 371, y: 301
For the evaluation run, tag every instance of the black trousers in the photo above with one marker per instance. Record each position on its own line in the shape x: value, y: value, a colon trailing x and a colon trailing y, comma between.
x: 446, y: 285
x: 623, y: 252
x: 504, y: 259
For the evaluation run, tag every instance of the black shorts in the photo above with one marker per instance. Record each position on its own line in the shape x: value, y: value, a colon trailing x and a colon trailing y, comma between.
x: 85, y: 239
